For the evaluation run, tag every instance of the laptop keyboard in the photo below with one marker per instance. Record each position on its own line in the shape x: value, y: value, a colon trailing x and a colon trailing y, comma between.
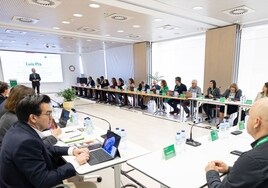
x: 99, y: 155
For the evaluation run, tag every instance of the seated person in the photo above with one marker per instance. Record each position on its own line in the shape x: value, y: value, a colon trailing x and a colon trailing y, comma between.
x: 193, y: 89
x: 163, y: 91
x: 179, y: 88
x: 10, y: 117
x: 4, y: 91
x: 155, y: 86
x: 25, y: 161
x: 234, y: 94
x: 118, y: 96
x: 263, y: 93
x: 111, y: 95
x: 131, y: 84
x: 250, y: 169
x: 97, y: 92
x: 103, y: 94
x: 90, y: 83
x: 143, y: 100
x: 212, y: 93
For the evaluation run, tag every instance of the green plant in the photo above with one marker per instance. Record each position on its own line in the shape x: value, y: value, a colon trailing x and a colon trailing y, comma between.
x: 156, y: 77
x: 68, y: 94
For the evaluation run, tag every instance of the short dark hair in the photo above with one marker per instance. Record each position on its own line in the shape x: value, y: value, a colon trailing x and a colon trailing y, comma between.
x: 3, y: 87
x: 178, y: 79
x: 30, y: 105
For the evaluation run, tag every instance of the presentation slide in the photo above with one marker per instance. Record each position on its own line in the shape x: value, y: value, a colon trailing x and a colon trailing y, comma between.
x: 18, y: 65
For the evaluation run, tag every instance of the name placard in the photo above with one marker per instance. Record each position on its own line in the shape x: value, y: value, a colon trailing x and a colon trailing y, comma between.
x: 214, y: 135
x: 169, y: 152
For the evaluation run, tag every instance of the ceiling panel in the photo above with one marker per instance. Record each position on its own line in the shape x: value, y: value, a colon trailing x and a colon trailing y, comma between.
x: 97, y: 26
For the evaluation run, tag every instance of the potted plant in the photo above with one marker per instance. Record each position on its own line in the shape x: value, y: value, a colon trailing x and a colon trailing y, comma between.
x: 156, y: 77
x: 68, y: 95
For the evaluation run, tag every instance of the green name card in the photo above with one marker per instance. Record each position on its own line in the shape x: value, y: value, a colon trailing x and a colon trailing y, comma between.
x: 222, y: 99
x: 248, y: 102
x: 241, y: 125
x: 182, y: 95
x: 169, y: 152
x: 214, y: 135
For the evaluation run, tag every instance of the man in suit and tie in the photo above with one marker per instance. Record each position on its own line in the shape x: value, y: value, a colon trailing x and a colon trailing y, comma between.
x: 25, y: 161
x: 35, y: 79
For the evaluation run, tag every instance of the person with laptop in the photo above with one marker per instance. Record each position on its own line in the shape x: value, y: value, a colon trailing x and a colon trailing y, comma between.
x: 10, y: 118
x: 25, y: 161
x: 250, y: 169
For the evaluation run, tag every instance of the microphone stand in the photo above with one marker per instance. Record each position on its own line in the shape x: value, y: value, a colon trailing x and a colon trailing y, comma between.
x: 190, y: 141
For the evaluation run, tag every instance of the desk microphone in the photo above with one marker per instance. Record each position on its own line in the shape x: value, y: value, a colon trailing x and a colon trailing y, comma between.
x: 190, y: 140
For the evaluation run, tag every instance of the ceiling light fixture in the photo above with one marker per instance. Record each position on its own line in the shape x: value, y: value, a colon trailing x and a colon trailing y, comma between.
x: 157, y: 20
x: 94, y: 5
x: 136, y: 26
x: 89, y: 40
x: 198, y: 8
x: 56, y: 28
x: 65, y: 22
x: 78, y: 15
x: 120, y: 31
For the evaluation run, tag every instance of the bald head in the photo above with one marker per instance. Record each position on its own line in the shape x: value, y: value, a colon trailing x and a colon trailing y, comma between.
x: 257, y: 125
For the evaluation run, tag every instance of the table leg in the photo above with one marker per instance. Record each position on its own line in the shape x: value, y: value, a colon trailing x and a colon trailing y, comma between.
x: 117, y: 175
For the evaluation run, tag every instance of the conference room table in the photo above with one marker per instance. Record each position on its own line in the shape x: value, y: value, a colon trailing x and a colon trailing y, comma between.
x: 187, y: 168
x: 128, y: 152
x: 217, y: 102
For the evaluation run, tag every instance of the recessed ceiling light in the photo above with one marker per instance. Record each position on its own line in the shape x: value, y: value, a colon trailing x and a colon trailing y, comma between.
x: 78, y: 15
x: 136, y: 26
x: 57, y: 28
x: 120, y: 31
x: 197, y: 8
x: 41, y: 35
x: 94, y: 5
x: 107, y: 35
x: 65, y: 22
x: 88, y: 40
x: 157, y: 20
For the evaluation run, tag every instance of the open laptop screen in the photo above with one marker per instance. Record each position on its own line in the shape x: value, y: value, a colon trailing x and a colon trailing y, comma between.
x: 111, y: 143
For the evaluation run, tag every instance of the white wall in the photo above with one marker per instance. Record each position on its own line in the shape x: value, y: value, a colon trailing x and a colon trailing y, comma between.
x: 93, y: 64
x: 69, y: 78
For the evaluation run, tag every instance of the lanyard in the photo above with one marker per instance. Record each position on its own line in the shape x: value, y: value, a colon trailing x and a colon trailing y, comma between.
x: 261, y: 141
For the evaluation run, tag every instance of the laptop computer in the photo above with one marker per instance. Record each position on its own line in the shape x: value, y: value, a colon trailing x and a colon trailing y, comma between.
x: 64, y: 117
x: 108, y: 151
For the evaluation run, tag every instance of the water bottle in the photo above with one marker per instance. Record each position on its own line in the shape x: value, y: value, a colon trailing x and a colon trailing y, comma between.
x: 117, y: 131
x: 123, y: 143
x: 227, y: 128
x: 178, y: 142
x: 75, y: 118
x: 222, y: 130
x: 183, y: 139
x: 88, y: 125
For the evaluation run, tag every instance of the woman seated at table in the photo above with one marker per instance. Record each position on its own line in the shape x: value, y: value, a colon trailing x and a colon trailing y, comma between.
x: 233, y: 94
x: 111, y: 95
x: 163, y: 91
x: 263, y: 93
x: 143, y: 100
x: 212, y: 93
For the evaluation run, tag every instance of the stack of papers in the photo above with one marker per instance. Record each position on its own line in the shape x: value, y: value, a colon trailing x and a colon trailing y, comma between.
x: 71, y: 136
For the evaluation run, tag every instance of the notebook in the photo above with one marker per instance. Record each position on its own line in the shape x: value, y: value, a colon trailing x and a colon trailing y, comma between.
x: 108, y: 151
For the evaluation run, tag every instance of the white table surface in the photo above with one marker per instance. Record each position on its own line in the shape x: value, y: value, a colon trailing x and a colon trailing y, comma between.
x: 187, y: 169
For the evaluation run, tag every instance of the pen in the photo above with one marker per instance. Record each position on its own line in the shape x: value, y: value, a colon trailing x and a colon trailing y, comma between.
x: 69, y: 131
x: 75, y: 136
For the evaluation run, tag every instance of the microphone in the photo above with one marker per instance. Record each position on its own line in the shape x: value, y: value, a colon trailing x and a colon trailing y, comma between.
x: 190, y: 140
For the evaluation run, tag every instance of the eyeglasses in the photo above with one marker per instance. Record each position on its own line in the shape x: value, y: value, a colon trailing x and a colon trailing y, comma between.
x: 48, y: 113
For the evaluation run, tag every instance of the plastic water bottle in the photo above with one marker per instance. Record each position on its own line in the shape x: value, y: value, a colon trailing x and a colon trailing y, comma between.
x: 222, y: 129
x: 227, y: 128
x: 88, y: 125
x: 123, y: 142
x: 183, y: 139
x: 178, y: 142
x: 74, y: 117
x: 117, y: 131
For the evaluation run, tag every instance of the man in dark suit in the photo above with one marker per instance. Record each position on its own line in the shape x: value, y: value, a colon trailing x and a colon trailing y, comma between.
x: 25, y: 161
x: 35, y: 79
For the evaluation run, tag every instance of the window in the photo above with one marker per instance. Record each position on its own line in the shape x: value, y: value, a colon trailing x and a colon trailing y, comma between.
x: 183, y: 57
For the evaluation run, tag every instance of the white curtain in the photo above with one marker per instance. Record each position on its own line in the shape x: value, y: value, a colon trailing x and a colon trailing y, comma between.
x: 253, y: 66
x: 183, y: 57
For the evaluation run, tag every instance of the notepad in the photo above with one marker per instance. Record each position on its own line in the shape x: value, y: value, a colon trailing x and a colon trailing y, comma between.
x: 72, y: 137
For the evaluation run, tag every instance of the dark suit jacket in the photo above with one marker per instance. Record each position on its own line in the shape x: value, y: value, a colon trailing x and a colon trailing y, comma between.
x: 25, y: 162
x: 36, y: 77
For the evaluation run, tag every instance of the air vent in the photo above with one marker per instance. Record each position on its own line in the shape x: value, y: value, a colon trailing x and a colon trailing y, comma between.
x: 25, y: 20
x: 118, y: 17
x: 88, y: 29
x: 46, y: 3
x: 133, y: 36
x: 168, y: 27
x: 17, y: 32
x: 238, y: 11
